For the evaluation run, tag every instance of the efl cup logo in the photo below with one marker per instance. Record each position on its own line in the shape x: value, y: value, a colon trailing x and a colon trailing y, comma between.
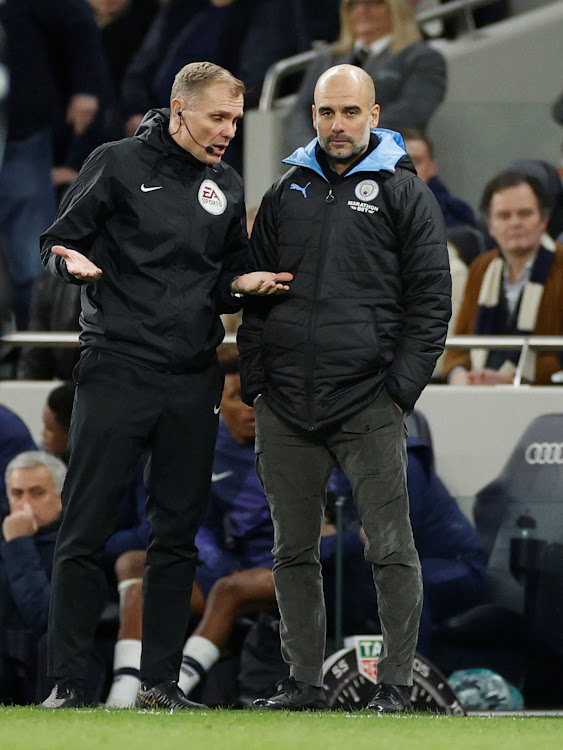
x: 366, y: 190
x: 212, y: 198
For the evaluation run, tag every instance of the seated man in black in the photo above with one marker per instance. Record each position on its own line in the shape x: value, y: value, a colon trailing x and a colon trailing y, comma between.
x: 34, y: 481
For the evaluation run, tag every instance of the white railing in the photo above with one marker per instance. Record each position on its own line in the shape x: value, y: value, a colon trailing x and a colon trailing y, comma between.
x: 526, y: 344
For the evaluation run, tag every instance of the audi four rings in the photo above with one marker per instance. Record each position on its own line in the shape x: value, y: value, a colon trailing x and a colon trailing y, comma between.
x: 544, y: 453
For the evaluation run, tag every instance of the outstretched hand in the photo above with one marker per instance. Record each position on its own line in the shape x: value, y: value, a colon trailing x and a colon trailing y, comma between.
x: 77, y: 264
x: 262, y: 283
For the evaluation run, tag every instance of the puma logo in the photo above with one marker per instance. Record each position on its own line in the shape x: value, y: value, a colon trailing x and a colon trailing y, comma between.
x: 295, y: 186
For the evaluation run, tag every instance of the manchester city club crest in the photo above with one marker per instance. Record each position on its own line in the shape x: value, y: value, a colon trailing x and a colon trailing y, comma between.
x: 366, y: 190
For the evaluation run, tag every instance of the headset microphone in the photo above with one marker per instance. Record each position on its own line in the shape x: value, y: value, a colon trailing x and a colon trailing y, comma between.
x: 208, y: 149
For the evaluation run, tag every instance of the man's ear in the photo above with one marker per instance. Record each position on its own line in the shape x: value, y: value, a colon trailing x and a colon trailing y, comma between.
x: 314, y: 116
x: 176, y: 105
x: 375, y: 112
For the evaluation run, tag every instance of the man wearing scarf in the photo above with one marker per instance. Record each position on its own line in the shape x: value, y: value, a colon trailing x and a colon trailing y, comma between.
x: 516, y: 289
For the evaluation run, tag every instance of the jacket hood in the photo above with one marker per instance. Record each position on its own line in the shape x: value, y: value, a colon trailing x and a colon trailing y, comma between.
x: 153, y: 119
x: 384, y: 157
x: 154, y: 131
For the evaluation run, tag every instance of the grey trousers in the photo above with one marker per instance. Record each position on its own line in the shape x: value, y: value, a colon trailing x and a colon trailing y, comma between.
x: 294, y: 466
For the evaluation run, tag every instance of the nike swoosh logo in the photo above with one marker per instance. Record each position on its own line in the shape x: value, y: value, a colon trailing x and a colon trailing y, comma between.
x: 150, y: 189
x: 222, y: 475
x: 216, y: 409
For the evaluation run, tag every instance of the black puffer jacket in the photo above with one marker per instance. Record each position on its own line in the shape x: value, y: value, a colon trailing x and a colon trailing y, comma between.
x: 371, y: 298
x: 169, y: 234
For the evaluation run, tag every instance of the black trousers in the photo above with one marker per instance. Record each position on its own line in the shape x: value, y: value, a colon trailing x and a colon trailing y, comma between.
x: 122, y: 409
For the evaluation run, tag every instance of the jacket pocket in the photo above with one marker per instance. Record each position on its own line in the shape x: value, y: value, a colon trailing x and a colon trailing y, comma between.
x: 379, y: 417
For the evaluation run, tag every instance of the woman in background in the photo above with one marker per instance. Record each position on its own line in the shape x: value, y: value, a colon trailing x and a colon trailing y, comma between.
x: 382, y: 37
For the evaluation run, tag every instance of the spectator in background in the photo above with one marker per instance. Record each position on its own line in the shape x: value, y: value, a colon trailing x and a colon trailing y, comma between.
x: 55, y: 59
x: 382, y: 37
x: 245, y: 36
x: 455, y: 211
x: 14, y: 438
x: 56, y: 420
x: 34, y: 482
x: 516, y: 289
x: 421, y: 150
x: 123, y: 25
x: 549, y: 177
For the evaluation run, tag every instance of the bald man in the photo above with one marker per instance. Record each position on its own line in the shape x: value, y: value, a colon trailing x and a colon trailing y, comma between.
x: 333, y: 366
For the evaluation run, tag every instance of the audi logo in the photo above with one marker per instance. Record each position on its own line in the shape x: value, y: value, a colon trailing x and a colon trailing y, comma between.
x: 544, y: 453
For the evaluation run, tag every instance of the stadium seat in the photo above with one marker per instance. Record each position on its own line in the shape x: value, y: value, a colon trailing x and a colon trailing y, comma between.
x: 518, y: 631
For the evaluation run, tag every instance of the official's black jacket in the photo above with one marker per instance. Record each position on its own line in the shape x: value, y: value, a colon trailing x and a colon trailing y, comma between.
x: 169, y: 234
x: 371, y: 296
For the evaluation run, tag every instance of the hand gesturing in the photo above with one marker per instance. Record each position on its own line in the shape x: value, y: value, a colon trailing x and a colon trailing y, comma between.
x: 77, y: 264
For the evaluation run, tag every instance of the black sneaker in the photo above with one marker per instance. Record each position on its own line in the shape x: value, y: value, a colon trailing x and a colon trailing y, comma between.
x: 62, y: 696
x: 164, y: 695
x: 390, y: 699
x: 292, y: 695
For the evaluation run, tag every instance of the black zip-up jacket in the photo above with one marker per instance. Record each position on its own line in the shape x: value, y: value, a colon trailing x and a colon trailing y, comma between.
x: 25, y: 580
x: 371, y: 296
x: 169, y: 233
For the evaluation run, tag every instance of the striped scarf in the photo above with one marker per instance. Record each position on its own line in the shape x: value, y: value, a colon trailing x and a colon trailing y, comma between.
x: 530, y: 300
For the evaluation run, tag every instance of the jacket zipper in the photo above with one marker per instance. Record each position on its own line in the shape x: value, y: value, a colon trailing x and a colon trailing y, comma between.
x: 329, y: 199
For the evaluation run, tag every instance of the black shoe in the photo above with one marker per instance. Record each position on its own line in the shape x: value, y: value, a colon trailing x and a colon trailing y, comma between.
x: 164, y: 695
x: 390, y: 699
x: 294, y: 696
x: 62, y: 697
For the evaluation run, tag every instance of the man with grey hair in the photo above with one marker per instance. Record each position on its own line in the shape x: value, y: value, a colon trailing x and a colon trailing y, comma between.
x: 332, y: 368
x: 34, y: 481
x: 154, y: 230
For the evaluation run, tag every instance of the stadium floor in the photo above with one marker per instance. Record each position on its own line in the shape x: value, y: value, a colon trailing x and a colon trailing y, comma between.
x: 25, y: 728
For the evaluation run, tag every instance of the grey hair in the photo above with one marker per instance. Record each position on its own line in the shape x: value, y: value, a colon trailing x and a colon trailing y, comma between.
x: 194, y: 77
x: 31, y: 459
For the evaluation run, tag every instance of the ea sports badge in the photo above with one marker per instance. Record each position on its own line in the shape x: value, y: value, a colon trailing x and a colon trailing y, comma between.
x: 212, y: 198
x: 366, y: 190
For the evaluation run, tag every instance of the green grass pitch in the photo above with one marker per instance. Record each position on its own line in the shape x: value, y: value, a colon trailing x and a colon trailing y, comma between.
x: 96, y: 729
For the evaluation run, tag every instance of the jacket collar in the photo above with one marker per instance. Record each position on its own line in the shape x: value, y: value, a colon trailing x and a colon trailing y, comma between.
x: 154, y: 131
x: 385, y: 156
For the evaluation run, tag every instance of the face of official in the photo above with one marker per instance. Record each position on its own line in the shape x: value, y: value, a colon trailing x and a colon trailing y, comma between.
x: 343, y: 114
x: 368, y: 20
x: 55, y: 437
x: 238, y: 417
x: 34, y: 487
x: 426, y: 167
x: 516, y: 220
x: 211, y: 121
